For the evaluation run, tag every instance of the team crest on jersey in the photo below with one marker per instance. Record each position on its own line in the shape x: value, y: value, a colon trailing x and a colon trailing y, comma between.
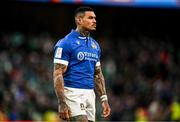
x: 93, y: 45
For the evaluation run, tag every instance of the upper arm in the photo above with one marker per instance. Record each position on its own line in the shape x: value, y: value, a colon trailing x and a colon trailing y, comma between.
x: 59, y: 69
x: 98, y: 71
x: 99, y: 57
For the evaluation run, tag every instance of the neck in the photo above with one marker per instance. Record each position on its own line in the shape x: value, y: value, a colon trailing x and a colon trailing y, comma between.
x: 82, y: 31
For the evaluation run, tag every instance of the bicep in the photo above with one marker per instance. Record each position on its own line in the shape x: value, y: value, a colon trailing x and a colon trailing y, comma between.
x: 98, y: 72
x: 59, y: 69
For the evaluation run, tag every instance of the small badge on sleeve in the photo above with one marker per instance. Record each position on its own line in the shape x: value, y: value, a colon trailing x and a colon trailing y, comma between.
x: 58, y: 52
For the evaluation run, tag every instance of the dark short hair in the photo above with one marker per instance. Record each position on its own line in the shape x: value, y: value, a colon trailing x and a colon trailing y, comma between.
x: 82, y: 10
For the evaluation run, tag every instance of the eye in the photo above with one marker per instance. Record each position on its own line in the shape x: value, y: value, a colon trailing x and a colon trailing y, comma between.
x: 91, y: 17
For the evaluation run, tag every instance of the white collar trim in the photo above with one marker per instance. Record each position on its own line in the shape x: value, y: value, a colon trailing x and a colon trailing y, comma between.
x: 80, y: 37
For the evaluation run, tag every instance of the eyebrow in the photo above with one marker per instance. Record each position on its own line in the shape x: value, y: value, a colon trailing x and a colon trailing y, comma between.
x: 92, y: 17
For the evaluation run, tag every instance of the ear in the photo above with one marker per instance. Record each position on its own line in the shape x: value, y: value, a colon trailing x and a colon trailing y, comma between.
x: 78, y: 20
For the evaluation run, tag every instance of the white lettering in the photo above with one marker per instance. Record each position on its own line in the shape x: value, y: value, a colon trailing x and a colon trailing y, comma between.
x: 87, y: 56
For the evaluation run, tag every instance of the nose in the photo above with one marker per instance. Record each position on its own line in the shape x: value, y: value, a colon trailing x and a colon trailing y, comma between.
x: 94, y: 20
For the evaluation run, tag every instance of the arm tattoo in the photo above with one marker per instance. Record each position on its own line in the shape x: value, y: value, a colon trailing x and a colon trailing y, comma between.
x: 59, y: 70
x: 99, y: 81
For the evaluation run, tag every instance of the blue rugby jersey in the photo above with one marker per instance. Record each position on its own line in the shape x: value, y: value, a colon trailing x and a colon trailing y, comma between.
x: 81, y: 54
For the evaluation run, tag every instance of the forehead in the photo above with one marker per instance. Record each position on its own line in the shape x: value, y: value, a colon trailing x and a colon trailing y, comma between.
x: 89, y: 13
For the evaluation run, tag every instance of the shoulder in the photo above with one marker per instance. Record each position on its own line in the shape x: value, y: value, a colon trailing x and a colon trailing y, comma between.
x: 95, y: 41
x: 66, y: 41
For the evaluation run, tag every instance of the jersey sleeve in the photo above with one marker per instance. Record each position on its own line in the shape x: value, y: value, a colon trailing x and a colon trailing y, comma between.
x: 99, y: 56
x: 62, y: 52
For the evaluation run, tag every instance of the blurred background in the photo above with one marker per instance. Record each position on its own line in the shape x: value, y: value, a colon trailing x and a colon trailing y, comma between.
x: 140, y: 57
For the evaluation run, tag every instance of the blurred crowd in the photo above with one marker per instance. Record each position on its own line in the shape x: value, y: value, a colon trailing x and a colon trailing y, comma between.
x: 26, y: 84
x: 142, y: 78
x: 142, y: 75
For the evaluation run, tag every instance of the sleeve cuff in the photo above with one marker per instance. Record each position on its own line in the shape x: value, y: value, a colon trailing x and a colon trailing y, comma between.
x: 98, y: 63
x: 59, y: 61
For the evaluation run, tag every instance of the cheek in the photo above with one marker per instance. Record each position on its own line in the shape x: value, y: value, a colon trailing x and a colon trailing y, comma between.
x: 87, y: 22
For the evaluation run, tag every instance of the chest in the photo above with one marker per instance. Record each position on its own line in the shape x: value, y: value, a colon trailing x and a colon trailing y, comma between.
x: 84, y: 51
